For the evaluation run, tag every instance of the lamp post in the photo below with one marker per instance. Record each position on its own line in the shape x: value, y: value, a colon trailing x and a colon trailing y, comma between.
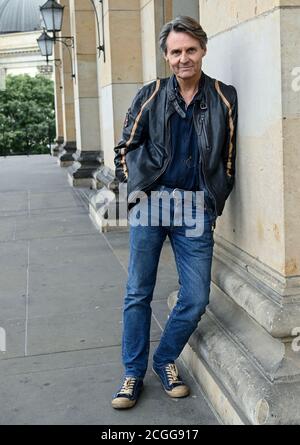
x: 45, y: 43
x: 52, y: 14
x: 100, y: 47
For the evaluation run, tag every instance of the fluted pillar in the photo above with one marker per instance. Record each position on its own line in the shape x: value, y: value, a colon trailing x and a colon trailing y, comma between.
x: 154, y: 14
x: 69, y: 147
x: 58, y: 103
x: 86, y: 100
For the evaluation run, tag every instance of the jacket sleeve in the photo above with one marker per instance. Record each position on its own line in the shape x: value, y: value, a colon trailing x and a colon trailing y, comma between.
x: 229, y: 152
x: 133, y: 135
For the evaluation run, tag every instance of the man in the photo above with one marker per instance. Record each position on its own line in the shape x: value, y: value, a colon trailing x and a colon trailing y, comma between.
x: 179, y: 135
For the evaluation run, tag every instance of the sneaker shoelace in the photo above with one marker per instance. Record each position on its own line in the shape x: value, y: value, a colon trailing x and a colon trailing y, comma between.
x: 172, y: 374
x: 128, y: 386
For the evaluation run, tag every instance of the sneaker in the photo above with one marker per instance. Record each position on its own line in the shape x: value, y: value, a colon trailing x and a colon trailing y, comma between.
x: 171, y: 381
x: 128, y: 394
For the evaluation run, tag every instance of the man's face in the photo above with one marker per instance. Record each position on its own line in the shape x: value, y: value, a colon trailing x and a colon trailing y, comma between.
x: 184, y: 54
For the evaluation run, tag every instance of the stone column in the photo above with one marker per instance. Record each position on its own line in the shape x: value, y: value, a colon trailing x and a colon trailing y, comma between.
x: 132, y: 58
x: 190, y: 8
x: 83, y: 28
x: 58, y: 103
x: 69, y: 147
x: 245, y: 352
x: 120, y: 76
x: 154, y: 14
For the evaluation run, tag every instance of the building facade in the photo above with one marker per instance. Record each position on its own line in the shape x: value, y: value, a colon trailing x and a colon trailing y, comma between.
x: 20, y: 27
x: 245, y: 352
x: 20, y: 54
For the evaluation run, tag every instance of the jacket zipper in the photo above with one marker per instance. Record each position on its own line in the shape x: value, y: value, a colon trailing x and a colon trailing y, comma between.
x: 204, y: 132
x: 203, y: 161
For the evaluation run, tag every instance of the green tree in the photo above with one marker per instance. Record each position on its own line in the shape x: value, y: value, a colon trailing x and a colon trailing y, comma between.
x: 27, y: 116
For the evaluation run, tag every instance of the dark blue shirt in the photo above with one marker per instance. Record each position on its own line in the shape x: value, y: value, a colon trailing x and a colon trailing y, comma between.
x: 183, y: 169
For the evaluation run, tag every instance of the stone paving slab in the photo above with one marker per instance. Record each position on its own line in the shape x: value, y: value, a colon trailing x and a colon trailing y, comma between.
x: 13, y: 279
x: 57, y: 211
x: 72, y: 390
x: 65, y: 275
x: 78, y: 330
x: 61, y: 297
x: 15, y: 338
x: 56, y: 225
x: 73, y: 295
x: 19, y: 173
x: 69, y: 359
x: 13, y: 202
x: 46, y: 201
x: 7, y: 229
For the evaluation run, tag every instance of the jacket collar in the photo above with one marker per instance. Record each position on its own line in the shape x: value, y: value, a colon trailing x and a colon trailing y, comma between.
x: 173, y: 95
x: 172, y: 87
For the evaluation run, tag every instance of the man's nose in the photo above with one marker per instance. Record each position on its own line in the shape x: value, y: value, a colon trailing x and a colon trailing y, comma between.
x: 184, y: 57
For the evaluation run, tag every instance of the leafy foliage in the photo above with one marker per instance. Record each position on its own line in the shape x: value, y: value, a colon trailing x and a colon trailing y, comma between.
x: 27, y: 116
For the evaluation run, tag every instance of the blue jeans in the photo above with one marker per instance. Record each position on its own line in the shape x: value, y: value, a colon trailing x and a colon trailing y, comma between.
x: 193, y: 256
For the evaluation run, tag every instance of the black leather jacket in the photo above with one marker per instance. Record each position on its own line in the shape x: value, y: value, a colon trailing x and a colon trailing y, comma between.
x: 144, y: 152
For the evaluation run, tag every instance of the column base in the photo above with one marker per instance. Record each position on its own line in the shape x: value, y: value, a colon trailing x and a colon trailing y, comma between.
x: 107, y: 210
x: 57, y: 149
x: 248, y: 367
x: 104, y: 177
x: 108, y: 204
x: 65, y: 159
x: 233, y: 382
x: 86, y: 163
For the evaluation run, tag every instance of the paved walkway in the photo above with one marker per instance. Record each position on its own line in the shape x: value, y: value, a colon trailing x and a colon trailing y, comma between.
x: 61, y: 288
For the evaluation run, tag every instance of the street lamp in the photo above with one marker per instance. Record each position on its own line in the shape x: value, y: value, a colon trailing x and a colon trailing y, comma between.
x: 52, y: 14
x: 46, y: 42
x: 46, y: 45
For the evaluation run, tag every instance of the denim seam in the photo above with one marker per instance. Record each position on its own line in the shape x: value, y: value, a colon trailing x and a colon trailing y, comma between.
x: 178, y: 304
x: 179, y: 264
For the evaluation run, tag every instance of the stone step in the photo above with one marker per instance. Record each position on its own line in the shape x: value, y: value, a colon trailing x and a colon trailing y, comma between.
x: 220, y: 358
x: 278, y: 315
x: 271, y: 356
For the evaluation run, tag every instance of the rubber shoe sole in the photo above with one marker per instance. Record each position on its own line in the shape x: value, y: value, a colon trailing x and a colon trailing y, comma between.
x: 178, y: 392
x: 122, y: 403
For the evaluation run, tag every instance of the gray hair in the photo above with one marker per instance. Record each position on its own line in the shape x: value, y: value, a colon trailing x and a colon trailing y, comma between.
x: 182, y: 24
